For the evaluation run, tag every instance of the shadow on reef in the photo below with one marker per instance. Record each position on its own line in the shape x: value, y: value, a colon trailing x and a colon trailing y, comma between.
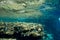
x: 18, y: 36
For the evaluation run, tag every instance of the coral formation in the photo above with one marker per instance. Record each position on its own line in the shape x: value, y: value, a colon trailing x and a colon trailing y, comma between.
x: 23, y: 30
x: 26, y: 29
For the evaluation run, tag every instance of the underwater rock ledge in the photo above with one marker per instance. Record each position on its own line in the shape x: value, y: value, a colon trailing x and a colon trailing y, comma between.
x: 21, y: 30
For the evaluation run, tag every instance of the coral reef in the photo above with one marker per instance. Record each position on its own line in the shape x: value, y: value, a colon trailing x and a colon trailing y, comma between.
x: 20, y: 8
x: 22, y: 31
x: 26, y: 29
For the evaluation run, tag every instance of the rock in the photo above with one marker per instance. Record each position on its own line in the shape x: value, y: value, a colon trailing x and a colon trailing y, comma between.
x: 25, y: 29
x: 20, y: 8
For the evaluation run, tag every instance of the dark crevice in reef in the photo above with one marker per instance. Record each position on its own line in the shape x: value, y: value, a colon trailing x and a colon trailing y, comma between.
x: 20, y: 37
x: 2, y: 35
x: 17, y: 36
